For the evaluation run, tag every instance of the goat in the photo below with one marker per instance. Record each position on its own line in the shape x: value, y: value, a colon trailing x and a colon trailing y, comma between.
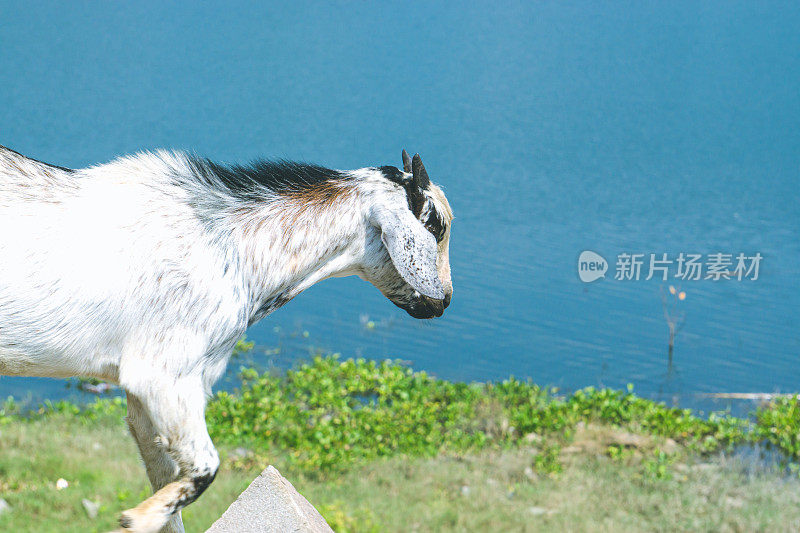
x: 145, y: 271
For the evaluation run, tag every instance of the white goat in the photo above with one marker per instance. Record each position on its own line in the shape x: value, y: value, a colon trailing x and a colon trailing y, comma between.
x: 145, y: 271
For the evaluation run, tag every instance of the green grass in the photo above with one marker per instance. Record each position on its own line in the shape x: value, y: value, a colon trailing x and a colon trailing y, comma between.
x: 491, y: 492
x: 376, y: 446
x: 99, y: 461
x: 495, y: 490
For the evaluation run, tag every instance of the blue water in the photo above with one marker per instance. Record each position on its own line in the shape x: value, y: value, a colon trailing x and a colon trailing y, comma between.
x: 649, y: 128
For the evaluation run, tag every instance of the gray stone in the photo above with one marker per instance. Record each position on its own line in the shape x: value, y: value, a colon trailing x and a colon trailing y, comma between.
x: 532, y: 438
x: 90, y: 507
x: 4, y: 507
x: 240, y: 452
x: 270, y: 505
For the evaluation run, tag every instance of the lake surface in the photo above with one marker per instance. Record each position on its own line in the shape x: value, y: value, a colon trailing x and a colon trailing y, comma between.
x: 553, y: 129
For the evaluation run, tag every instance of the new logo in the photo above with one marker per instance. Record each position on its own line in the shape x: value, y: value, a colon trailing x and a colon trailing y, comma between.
x: 591, y: 266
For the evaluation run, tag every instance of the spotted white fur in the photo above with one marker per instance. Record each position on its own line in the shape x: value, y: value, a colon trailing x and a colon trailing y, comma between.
x: 140, y: 273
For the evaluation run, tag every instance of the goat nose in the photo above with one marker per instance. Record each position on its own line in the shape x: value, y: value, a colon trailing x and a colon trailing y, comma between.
x: 446, y: 300
x: 436, y: 307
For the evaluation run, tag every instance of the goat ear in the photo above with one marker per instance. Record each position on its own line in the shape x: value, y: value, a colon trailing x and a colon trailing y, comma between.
x: 413, y: 250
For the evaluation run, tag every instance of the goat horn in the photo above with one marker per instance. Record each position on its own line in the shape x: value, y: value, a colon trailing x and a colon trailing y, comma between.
x: 406, y: 162
x: 421, y: 179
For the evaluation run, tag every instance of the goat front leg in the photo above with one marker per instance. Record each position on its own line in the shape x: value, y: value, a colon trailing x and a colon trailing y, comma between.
x: 161, y: 469
x: 176, y: 416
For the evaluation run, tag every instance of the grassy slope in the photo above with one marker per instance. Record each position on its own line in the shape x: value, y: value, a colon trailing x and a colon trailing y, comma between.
x: 478, y: 491
x: 100, y: 462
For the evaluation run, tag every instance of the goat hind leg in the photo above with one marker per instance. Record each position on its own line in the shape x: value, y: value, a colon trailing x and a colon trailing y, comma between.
x: 177, y: 416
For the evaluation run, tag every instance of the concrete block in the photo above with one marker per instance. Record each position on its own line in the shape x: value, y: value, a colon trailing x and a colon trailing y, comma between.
x: 270, y: 505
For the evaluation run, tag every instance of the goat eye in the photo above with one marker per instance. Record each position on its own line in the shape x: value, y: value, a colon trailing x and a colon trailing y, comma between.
x: 435, y: 226
x: 440, y: 235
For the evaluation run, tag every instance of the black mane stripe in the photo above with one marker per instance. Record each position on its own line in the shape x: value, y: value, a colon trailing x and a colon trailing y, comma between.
x: 260, y: 178
x: 249, y: 182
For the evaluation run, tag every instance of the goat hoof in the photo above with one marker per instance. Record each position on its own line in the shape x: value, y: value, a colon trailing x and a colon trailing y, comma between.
x: 137, y: 521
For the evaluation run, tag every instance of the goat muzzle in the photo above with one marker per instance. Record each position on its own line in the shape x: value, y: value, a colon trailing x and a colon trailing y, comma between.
x: 427, y: 307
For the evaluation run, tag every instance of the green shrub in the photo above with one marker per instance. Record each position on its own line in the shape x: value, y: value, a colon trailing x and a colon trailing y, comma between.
x: 778, y: 423
x: 329, y: 413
